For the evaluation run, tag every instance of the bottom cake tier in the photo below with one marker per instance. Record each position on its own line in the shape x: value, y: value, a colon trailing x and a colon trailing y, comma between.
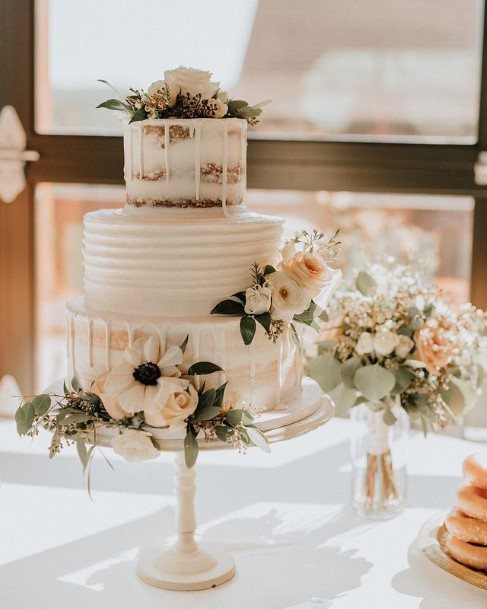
x: 264, y: 374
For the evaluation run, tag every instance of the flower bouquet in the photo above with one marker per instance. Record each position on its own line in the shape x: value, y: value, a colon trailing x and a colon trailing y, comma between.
x: 394, y: 349
x: 150, y: 389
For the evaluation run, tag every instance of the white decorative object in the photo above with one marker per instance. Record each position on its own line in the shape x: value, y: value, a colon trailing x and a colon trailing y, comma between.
x: 13, y: 155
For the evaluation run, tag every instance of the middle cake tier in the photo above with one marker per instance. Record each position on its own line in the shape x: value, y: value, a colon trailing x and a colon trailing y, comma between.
x: 175, y: 264
x: 265, y: 374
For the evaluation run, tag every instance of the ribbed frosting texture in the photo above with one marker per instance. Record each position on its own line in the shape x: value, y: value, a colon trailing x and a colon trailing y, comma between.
x: 174, y: 265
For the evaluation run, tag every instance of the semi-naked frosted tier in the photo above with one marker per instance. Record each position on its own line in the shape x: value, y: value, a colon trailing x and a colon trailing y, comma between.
x: 172, y: 263
x: 186, y: 162
x: 264, y: 374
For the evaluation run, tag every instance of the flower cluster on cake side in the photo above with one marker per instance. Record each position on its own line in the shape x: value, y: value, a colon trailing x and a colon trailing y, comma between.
x: 183, y: 93
x: 297, y: 291
x: 393, y: 341
x: 149, y: 389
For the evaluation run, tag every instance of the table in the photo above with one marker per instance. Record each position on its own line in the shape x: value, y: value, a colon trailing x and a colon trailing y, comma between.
x: 281, y: 515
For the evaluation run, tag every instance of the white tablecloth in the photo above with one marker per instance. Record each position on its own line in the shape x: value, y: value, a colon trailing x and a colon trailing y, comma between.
x: 281, y: 515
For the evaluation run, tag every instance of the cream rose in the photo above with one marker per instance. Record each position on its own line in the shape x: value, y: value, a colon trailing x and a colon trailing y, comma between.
x: 288, y: 298
x: 365, y: 343
x: 257, y: 299
x: 192, y: 81
x: 308, y: 270
x: 432, y: 348
x: 109, y: 402
x: 173, y: 408
x: 219, y: 108
x: 385, y: 341
x: 404, y: 346
x: 134, y: 445
x: 167, y: 91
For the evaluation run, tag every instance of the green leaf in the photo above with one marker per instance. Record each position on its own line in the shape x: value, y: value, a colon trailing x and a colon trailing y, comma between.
x: 235, y: 105
x: 184, y: 344
x: 405, y: 330
x: 79, y: 417
x: 388, y: 417
x: 114, y: 104
x: 219, y: 395
x: 325, y: 370
x: 207, y: 413
x: 269, y: 269
x: 203, y: 368
x: 20, y: 419
x: 404, y: 378
x: 247, y: 329
x: 264, y: 319
x: 324, y: 316
x: 229, y: 307
x: 343, y: 398
x: 140, y: 115
x: 454, y: 397
x: 240, y: 296
x: 207, y: 398
x: 190, y: 449
x: 75, y: 383
x: 82, y: 452
x: 41, y: 404
x: 306, y: 317
x: 258, y: 439
x: 237, y: 416
x: 429, y: 308
x: 222, y: 432
x: 374, y: 382
x: 365, y: 283
x: 348, y: 370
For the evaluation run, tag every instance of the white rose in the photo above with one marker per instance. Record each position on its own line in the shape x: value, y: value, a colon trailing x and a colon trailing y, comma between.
x: 169, y: 91
x: 134, y: 445
x: 192, y: 81
x: 222, y: 96
x: 404, y: 346
x: 219, y: 108
x: 309, y: 270
x: 258, y: 299
x: 173, y: 407
x: 385, y: 341
x: 288, y: 298
x: 365, y: 343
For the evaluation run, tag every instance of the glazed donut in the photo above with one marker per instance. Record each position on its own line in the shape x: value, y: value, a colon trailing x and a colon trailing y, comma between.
x: 473, y: 502
x: 465, y: 528
x: 466, y: 553
x: 475, y: 470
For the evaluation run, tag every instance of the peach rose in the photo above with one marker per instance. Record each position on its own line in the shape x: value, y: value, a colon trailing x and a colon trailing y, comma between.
x: 309, y: 271
x: 432, y: 348
x: 109, y: 402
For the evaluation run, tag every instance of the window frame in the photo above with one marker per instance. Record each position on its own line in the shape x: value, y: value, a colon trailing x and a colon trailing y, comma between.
x: 272, y: 164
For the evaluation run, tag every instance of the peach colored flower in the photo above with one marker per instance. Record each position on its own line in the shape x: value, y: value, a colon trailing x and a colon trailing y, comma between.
x: 432, y: 347
x: 308, y: 270
x: 109, y: 402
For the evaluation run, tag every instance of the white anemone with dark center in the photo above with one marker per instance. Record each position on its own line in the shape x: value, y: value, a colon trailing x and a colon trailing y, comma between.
x: 145, y: 376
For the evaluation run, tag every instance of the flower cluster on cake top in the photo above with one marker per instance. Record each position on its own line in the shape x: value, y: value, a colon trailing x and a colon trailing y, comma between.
x: 184, y: 93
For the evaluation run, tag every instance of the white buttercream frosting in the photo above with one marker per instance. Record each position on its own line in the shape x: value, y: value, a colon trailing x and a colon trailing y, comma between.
x: 175, y: 263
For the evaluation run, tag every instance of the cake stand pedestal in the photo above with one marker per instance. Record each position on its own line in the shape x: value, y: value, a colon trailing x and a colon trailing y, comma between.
x: 185, y: 564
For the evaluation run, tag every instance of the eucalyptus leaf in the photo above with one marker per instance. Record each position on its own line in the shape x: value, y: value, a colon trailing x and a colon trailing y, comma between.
x: 247, y: 329
x: 190, y: 449
x: 203, y: 368
x: 228, y: 307
x: 325, y: 370
x: 374, y: 381
x: 306, y: 317
x: 258, y: 438
x: 388, y: 417
x: 234, y: 105
x: 20, y: 420
x: 82, y: 452
x: 75, y: 383
x: 454, y: 397
x: 344, y: 398
x: 222, y: 432
x: 348, y: 370
x: 41, y: 404
x: 365, y: 283
x: 237, y: 416
x: 404, y: 378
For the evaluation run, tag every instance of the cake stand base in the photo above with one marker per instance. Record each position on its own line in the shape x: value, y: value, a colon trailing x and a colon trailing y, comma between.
x: 207, y: 568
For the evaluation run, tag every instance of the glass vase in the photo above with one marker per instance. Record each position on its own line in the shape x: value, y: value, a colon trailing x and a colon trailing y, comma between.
x: 379, y: 474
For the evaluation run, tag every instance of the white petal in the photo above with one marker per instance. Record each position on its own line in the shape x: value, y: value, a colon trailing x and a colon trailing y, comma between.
x: 117, y: 384
x: 133, y: 354
x: 151, y: 349
x: 124, y: 368
x: 131, y: 400
x: 150, y: 397
x: 171, y: 371
x: 173, y: 357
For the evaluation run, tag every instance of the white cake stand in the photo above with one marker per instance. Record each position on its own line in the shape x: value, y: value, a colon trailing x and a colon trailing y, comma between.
x: 185, y: 564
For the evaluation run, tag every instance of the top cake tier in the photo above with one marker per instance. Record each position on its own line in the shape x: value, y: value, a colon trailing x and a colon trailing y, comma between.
x: 186, y: 162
